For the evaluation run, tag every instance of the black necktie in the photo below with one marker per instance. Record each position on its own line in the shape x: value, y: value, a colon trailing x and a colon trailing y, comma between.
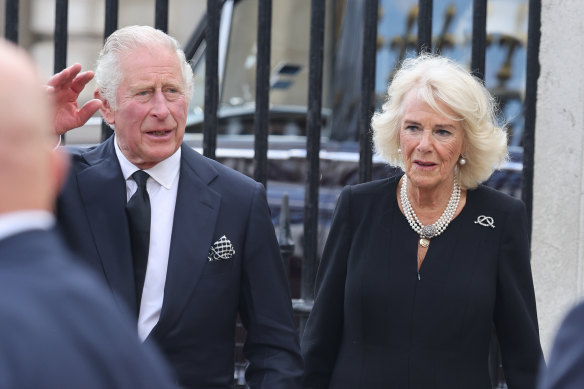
x: 138, y: 211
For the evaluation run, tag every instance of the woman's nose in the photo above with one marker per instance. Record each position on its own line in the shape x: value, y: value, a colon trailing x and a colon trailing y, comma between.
x: 425, y: 141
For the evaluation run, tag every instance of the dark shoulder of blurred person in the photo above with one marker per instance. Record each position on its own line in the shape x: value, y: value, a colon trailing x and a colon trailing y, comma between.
x: 59, y: 327
x: 565, y: 366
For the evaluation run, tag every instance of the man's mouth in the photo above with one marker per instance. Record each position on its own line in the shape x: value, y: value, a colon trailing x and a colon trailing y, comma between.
x: 158, y: 132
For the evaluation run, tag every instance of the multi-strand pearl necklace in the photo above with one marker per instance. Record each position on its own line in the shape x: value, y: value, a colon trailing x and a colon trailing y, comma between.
x: 433, y: 230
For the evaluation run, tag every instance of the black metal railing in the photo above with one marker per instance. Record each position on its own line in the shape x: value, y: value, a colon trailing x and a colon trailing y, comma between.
x: 211, y: 79
x: 367, y: 102
x: 532, y: 75
x: 11, y: 21
x: 313, y: 132
x: 262, y: 106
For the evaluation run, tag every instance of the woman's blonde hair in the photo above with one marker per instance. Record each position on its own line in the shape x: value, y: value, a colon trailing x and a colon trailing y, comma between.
x: 436, y: 79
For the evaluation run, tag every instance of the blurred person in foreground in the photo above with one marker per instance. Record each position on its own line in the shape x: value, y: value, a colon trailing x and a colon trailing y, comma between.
x: 202, y: 248
x: 418, y: 268
x: 59, y: 327
x: 565, y: 365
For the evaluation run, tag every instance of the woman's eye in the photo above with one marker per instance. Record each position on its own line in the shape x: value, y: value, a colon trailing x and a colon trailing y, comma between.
x: 412, y: 128
x: 442, y: 132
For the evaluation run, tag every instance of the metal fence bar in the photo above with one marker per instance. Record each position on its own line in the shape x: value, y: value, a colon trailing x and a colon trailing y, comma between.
x: 424, y: 26
x: 61, y: 21
x: 161, y: 15
x: 479, y: 38
x: 285, y: 240
x: 211, y: 79
x: 367, y: 102
x: 111, y: 17
x: 11, y: 21
x: 532, y: 74
x: 262, y: 108
x: 60, y: 40
x: 313, y: 127
x: 111, y: 24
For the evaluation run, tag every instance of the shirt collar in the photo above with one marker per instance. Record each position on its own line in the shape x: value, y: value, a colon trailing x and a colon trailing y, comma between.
x: 163, y: 172
x: 15, y: 222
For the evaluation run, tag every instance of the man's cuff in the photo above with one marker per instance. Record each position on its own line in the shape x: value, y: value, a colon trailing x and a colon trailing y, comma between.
x: 58, y: 143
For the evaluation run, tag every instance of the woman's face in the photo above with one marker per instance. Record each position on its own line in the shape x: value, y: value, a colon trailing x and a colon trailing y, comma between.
x: 430, y: 142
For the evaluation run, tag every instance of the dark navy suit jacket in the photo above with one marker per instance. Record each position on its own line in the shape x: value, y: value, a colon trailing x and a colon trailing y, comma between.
x: 59, y: 327
x: 565, y: 366
x: 202, y: 299
x: 378, y: 323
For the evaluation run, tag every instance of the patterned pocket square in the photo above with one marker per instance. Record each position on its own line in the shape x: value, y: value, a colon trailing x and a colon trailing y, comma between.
x: 222, y: 249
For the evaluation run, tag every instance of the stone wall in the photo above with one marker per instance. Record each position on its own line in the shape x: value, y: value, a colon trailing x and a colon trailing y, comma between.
x: 558, y: 218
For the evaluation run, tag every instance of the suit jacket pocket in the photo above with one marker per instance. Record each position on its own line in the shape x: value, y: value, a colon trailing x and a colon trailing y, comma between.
x: 218, y: 267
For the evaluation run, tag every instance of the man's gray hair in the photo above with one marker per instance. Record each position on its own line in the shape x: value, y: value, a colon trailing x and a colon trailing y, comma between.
x: 108, y: 74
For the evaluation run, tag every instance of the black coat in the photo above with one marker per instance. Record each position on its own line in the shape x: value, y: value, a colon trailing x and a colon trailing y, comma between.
x: 565, y: 368
x: 377, y: 323
x: 202, y: 298
x: 60, y: 328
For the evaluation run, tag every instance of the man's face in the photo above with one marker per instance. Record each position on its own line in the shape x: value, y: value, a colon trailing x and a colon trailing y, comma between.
x: 151, y: 112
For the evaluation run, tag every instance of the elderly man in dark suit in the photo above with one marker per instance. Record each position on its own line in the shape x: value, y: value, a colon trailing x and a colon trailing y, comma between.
x: 58, y: 325
x: 184, y: 242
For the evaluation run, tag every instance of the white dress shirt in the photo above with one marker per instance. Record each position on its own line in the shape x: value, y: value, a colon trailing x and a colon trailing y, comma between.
x: 13, y: 223
x: 162, y: 189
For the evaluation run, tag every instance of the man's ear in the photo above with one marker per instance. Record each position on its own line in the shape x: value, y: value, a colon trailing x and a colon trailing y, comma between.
x: 106, y: 109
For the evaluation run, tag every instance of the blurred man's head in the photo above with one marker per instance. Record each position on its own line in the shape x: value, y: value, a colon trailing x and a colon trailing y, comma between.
x: 31, y: 172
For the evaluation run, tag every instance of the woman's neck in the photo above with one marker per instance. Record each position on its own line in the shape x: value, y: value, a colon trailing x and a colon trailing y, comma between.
x: 429, y: 203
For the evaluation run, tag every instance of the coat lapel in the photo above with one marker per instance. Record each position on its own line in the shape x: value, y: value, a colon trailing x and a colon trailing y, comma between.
x: 195, y: 216
x: 103, y: 192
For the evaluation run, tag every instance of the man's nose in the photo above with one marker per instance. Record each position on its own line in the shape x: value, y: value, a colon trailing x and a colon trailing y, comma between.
x: 159, y: 105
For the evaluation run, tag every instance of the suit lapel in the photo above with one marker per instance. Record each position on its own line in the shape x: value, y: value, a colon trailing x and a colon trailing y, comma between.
x: 195, y: 216
x: 103, y: 192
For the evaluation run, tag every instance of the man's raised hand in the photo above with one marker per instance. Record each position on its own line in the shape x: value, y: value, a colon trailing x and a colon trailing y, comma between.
x: 65, y: 88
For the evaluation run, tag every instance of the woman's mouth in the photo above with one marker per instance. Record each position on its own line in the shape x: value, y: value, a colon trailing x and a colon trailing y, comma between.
x: 424, y: 164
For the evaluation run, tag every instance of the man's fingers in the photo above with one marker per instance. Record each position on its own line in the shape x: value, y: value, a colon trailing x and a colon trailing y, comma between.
x: 81, y: 80
x: 65, y: 76
x: 88, y: 110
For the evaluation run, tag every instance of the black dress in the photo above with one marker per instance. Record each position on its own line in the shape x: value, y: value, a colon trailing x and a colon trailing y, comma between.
x: 378, y: 323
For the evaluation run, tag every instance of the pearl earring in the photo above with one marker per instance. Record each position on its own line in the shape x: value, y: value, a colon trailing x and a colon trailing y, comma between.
x: 462, y: 161
x: 399, y: 151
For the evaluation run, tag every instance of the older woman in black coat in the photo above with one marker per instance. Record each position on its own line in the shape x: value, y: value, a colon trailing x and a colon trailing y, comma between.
x: 419, y: 268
